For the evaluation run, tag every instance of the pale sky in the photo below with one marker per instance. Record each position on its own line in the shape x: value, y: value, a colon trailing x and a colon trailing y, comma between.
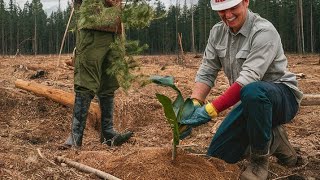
x: 48, y: 5
x: 52, y: 5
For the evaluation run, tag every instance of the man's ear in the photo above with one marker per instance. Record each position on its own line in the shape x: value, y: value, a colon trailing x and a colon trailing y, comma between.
x: 246, y: 2
x: 111, y: 3
x: 78, y: 2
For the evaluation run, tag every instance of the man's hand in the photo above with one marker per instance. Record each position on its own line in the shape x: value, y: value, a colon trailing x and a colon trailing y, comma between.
x: 197, y: 103
x: 184, y: 129
x: 201, y: 115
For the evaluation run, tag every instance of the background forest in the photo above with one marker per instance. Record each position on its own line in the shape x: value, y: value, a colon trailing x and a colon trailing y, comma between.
x: 28, y: 29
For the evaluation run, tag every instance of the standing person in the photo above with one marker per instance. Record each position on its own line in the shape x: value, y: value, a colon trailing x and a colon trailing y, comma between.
x: 248, y: 48
x: 94, y: 55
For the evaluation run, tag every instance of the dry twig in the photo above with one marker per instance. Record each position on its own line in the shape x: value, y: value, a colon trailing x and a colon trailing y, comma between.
x: 186, y: 145
x: 301, y: 167
x: 273, y: 173
x: 86, y: 168
x: 283, y: 177
x: 43, y: 157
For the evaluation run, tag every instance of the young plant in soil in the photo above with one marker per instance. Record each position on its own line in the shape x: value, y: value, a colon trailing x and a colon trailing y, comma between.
x: 174, y: 111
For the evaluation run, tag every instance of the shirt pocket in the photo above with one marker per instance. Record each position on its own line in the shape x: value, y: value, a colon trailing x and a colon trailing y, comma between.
x: 221, y: 51
x: 241, y: 57
x: 222, y: 56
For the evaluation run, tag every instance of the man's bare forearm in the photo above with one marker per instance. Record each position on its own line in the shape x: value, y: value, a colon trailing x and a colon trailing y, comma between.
x: 200, y: 91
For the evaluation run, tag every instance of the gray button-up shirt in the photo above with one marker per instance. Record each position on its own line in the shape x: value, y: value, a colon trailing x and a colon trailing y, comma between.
x: 255, y: 53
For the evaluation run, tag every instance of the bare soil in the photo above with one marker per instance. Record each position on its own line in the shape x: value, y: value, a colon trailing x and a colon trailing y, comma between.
x: 32, y: 128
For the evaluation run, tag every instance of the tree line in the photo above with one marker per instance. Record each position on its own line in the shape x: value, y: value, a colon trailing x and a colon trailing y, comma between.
x: 29, y: 30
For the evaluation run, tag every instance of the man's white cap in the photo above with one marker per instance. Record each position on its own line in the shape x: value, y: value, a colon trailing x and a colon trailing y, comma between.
x: 219, y: 5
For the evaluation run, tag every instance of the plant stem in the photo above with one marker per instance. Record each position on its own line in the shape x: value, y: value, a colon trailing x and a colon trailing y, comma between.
x: 174, y: 151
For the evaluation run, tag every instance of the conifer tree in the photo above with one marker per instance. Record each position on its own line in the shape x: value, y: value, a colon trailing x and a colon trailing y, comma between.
x: 2, y: 22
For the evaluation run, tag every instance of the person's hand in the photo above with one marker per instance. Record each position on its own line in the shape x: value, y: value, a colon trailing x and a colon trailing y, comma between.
x: 184, y: 129
x: 197, y: 103
x: 201, y: 115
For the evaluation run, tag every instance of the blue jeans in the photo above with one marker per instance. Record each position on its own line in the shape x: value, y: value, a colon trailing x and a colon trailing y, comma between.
x: 263, y: 105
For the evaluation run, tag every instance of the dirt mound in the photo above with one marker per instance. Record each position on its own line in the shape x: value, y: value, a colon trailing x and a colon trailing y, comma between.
x: 156, y: 163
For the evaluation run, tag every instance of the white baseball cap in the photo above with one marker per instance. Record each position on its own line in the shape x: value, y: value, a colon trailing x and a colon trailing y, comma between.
x: 219, y: 5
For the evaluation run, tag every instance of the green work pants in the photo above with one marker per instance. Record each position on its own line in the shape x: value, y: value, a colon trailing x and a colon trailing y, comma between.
x: 93, y: 58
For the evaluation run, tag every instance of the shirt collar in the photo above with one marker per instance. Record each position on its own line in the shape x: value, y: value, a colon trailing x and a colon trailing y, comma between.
x: 245, y: 29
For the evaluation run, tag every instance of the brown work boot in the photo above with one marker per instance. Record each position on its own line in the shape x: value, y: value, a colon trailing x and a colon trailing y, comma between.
x: 258, y: 167
x: 281, y: 147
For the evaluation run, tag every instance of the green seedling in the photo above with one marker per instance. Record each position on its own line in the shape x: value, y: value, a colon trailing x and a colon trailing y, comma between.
x: 174, y: 111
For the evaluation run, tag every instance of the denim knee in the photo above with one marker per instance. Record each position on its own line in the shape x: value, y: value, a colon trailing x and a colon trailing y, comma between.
x: 252, y: 92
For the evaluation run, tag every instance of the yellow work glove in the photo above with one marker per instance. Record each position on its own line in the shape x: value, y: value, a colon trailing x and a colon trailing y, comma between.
x: 211, y: 110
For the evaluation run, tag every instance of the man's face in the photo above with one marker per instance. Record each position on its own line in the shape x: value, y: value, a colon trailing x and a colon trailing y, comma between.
x: 236, y: 16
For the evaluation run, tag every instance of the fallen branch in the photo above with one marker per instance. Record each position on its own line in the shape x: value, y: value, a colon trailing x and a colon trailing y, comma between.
x: 272, y: 173
x: 70, y: 63
x: 310, y: 100
x: 187, y: 145
x: 301, y: 75
x: 43, y: 157
x: 301, y: 167
x: 36, y: 67
x: 284, y: 177
x: 195, y: 154
x: 86, y: 168
x: 61, y: 97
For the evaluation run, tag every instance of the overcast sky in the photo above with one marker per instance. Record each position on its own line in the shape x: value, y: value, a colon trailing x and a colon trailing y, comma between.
x: 52, y: 5
x: 48, y: 5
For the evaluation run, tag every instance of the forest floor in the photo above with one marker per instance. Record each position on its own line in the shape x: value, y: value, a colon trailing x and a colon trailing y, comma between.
x: 32, y: 128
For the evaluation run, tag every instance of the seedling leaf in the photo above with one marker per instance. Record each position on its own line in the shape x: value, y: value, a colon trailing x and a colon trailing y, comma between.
x: 186, y: 110
x: 178, y: 104
x: 174, y: 111
x: 164, y: 81
x: 170, y: 115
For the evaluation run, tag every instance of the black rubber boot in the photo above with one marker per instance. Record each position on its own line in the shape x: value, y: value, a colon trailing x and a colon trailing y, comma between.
x: 80, y: 113
x: 109, y: 135
x: 259, y: 164
x: 119, y: 139
x: 281, y: 147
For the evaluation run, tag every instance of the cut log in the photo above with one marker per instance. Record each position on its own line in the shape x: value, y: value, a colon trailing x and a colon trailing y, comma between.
x: 69, y: 63
x: 310, y: 100
x: 60, y: 96
x: 85, y: 168
x: 36, y: 67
